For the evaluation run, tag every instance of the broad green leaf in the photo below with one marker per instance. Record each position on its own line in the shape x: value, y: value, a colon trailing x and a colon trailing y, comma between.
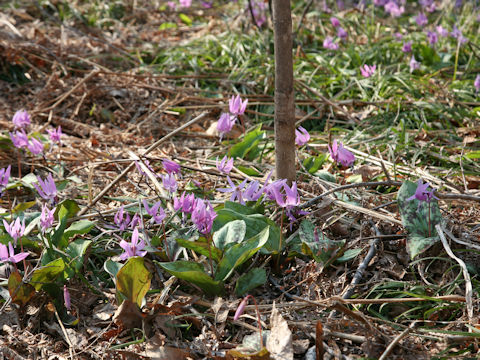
x: 78, y: 227
x: 67, y: 208
x: 313, y: 163
x: 20, y: 292
x: 194, y: 273
x: 248, y: 144
x: 248, y: 170
x: 231, y: 233
x: 250, y: 280
x: 23, y: 206
x: 473, y: 154
x: 239, y: 208
x: 239, y: 253
x: 47, y: 273
x: 419, y: 219
x: 76, y: 250
x: 255, y: 223
x: 325, y: 175
x: 112, y: 267
x: 202, y: 248
x: 167, y: 25
x: 349, y: 255
x: 133, y: 280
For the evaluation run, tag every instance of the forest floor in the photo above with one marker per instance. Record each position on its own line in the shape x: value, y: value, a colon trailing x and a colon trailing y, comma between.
x: 119, y: 76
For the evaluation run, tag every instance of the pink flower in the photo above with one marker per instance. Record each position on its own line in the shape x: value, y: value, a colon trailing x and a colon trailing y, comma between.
x: 414, y: 64
x: 225, y: 124
x: 46, y: 218
x: 203, y: 216
x: 335, y: 22
x: 8, y: 255
x: 21, y: 119
x: 4, y: 176
x: 341, y: 155
x: 442, y: 31
x: 46, y: 189
x: 225, y: 165
x: 156, y: 212
x: 476, y: 83
x: 241, y: 308
x: 422, y: 194
x: 394, y: 10
x: 186, y: 203
x: 329, y: 44
x: 185, y: 3
x: 407, y: 47
x: 236, y: 106
x: 169, y: 183
x: 301, y: 136
x: 35, y: 146
x: 367, y: 70
x: 15, y: 229
x: 55, y: 134
x: 133, y: 248
x: 66, y: 297
x: 171, y: 167
x: 20, y: 139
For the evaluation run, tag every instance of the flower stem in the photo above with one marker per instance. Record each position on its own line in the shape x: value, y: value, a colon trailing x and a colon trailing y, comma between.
x: 280, y: 242
x: 429, y: 223
x: 209, y: 239
x: 258, y: 320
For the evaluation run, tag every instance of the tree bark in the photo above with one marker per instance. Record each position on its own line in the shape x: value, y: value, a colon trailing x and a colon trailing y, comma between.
x: 284, y: 99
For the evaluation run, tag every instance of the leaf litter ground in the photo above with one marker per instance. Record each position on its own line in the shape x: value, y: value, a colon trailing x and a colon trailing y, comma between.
x: 117, y: 88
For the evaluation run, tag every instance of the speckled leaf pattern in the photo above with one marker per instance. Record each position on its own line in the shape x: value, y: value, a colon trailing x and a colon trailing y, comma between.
x: 415, y: 218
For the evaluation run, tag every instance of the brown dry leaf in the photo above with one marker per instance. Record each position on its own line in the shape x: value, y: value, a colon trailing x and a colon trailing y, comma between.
x: 128, y: 315
x: 220, y: 309
x: 279, y: 343
x: 166, y: 353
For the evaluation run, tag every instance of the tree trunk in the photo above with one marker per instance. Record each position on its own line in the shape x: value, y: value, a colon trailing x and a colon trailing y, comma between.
x: 284, y: 100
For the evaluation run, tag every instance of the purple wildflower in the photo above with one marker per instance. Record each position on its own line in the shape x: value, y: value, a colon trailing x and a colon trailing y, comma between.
x: 414, y: 64
x: 35, y: 146
x: 203, y: 216
x: 241, y: 308
x: 407, y: 47
x: 66, y: 298
x: 156, y: 212
x: 185, y: 3
x: 169, y: 183
x: 421, y: 19
x: 367, y: 70
x: 237, y: 106
x: 171, y: 167
x: 380, y: 2
x: 46, y: 218
x: 335, y: 22
x: 428, y: 5
x: 4, y: 176
x: 55, y: 135
x: 8, y: 254
x: 47, y: 189
x: 432, y: 37
x: 121, y: 219
x: 20, y: 139
x: 225, y: 124
x: 172, y: 5
x: 457, y: 34
x: 329, y: 44
x: 235, y: 190
x: 133, y: 248
x: 301, y: 136
x: 273, y: 191
x: 393, y: 9
x: 342, y: 33
x: 147, y: 164
x: 186, y: 203
x: 476, y: 83
x: 398, y: 36
x: 422, y: 194
x: 21, y: 119
x: 252, y: 191
x: 225, y: 165
x: 442, y: 31
x: 15, y: 229
x: 341, y: 155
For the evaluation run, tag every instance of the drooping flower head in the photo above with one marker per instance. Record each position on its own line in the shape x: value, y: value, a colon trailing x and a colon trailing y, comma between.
x: 287, y: 198
x: 225, y: 165
x: 335, y: 22
x: 15, y: 229
x: 422, y: 194
x: 169, y: 183
x: 235, y: 190
x: 19, y: 139
x: 55, y: 135
x: 432, y: 37
x: 156, y: 212
x: 301, y: 136
x: 407, y: 47
x: 393, y: 9
x: 368, y: 70
x: 421, y: 19
x: 341, y: 155
x: 414, y: 64
x: 35, y: 146
x: 66, y: 298
x: 133, y: 248
x: 122, y: 219
x: 4, y: 176
x: 186, y: 203
x: 171, y: 167
x: 46, y: 218
x: 328, y: 43
x: 203, y: 216
x: 21, y: 119
x: 252, y: 191
x: 225, y: 124
x: 476, y: 83
x: 237, y: 106
x: 47, y: 189
x: 342, y: 33
x: 8, y: 254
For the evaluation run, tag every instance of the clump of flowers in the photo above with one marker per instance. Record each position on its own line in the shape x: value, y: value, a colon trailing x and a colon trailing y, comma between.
x: 123, y: 221
x: 156, y: 212
x: 133, y: 248
x: 203, y: 216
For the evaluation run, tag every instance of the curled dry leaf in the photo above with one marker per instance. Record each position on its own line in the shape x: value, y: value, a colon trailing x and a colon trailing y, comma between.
x: 279, y: 343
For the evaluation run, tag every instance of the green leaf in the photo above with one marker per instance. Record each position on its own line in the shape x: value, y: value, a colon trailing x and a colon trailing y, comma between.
x: 112, y: 267
x: 248, y: 170
x: 167, y: 25
x: 231, y: 233
x: 473, y: 155
x: 349, y: 255
x: 250, y: 280
x: 239, y: 253
x: 23, y: 206
x: 202, y: 248
x: 78, y: 227
x: 325, y: 175
x: 193, y: 273
x: 313, y: 163
x: 239, y: 208
x: 255, y: 223
x: 133, y: 280
x: 20, y: 292
x: 69, y: 208
x: 248, y: 144
x: 47, y: 273
x: 419, y: 219
x: 76, y: 250
x: 185, y: 19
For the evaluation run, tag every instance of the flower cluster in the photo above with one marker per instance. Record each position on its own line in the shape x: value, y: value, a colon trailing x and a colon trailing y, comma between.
x: 236, y: 107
